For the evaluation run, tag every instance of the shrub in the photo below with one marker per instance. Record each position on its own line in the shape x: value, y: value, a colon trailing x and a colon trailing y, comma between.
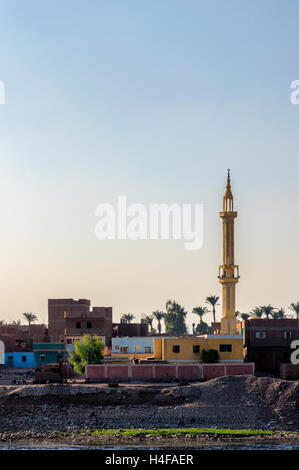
x: 210, y: 356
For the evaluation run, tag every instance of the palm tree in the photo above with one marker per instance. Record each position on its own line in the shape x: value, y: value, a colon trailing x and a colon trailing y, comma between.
x: 256, y: 312
x: 280, y: 313
x: 200, y: 311
x: 30, y: 317
x: 158, y: 315
x: 149, y: 320
x: 267, y: 310
x: 16, y: 322
x: 295, y: 308
x: 212, y: 300
x: 2, y: 322
x: 127, y: 317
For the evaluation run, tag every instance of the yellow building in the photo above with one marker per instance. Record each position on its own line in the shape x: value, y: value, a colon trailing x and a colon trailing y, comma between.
x: 189, y: 348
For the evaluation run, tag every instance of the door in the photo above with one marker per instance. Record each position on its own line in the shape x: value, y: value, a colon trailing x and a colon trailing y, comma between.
x: 10, y: 361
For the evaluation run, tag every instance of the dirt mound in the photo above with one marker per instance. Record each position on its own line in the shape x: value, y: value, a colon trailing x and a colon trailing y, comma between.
x: 235, y: 402
x: 96, y: 395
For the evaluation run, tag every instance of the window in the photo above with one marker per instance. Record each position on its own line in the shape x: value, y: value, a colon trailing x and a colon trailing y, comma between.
x: 196, y: 349
x: 78, y: 324
x: 287, y: 334
x: 286, y: 357
x: 42, y: 357
x: 260, y: 334
x: 89, y: 324
x: 24, y: 358
x: 69, y: 341
x: 124, y: 349
x: 176, y: 348
x: 147, y: 349
x: 225, y: 348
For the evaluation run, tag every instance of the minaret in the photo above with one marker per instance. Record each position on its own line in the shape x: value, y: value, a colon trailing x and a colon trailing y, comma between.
x: 228, y: 271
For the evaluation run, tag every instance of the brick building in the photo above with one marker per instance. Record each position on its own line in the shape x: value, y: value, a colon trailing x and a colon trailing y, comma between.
x: 71, y: 319
x: 267, y: 342
x: 130, y: 329
x: 17, y: 338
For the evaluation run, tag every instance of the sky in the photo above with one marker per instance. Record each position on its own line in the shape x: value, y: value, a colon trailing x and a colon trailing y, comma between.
x: 152, y: 100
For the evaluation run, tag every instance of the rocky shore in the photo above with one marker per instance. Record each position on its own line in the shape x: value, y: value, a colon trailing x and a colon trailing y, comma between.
x: 45, y: 412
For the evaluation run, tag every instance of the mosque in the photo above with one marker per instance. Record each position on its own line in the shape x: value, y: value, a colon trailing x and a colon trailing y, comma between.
x: 228, y: 341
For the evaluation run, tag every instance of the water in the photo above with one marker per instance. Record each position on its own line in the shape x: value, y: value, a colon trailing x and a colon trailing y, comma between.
x: 176, y: 445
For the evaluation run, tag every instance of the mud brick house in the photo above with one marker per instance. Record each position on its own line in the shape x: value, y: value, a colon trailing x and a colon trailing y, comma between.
x: 267, y: 342
x: 71, y: 319
x: 130, y: 329
x: 20, y: 338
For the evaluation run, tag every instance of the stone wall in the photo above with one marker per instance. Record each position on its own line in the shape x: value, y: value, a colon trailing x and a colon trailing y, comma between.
x: 164, y: 372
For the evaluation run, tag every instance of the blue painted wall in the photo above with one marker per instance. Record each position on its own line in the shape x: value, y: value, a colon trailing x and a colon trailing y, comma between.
x: 24, y: 360
x: 48, y: 353
x: 131, y: 342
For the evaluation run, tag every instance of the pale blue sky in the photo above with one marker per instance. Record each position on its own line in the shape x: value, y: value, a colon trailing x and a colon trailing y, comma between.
x: 153, y: 100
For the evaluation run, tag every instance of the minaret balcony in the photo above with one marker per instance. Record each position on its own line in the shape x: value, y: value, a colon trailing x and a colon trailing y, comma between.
x: 229, y: 272
x: 228, y: 214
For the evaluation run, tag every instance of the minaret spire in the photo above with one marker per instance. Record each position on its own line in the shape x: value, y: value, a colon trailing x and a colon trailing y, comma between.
x: 228, y: 271
x: 228, y: 199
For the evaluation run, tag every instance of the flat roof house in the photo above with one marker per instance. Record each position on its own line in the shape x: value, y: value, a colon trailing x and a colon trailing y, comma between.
x: 48, y: 353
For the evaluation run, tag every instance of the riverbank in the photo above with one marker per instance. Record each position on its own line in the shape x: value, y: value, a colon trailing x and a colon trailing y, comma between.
x: 234, y: 403
x: 151, y: 438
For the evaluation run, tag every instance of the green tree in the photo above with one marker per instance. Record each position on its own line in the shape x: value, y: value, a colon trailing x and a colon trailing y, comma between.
x: 203, y: 328
x: 2, y: 322
x: 158, y: 315
x: 267, y: 310
x: 175, y: 318
x: 91, y: 351
x: 245, y: 316
x: 212, y: 300
x: 295, y: 309
x: 127, y: 317
x: 16, y: 322
x: 30, y: 317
